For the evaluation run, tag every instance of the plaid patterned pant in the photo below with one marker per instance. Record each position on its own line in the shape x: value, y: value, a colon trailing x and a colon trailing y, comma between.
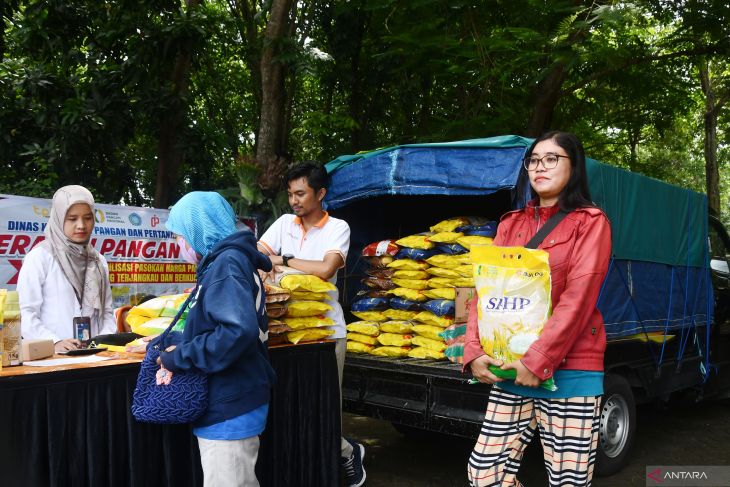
x: 568, y: 433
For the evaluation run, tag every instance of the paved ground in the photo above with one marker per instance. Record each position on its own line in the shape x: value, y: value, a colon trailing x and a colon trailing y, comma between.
x: 677, y: 434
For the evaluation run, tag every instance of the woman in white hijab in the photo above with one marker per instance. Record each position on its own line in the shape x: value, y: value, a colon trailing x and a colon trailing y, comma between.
x: 64, y: 278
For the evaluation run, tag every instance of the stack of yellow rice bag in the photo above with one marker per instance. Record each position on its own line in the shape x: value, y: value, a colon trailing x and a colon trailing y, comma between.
x: 420, y: 274
x: 306, y: 308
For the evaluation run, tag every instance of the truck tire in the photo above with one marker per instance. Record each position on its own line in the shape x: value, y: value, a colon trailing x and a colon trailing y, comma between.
x: 617, y: 425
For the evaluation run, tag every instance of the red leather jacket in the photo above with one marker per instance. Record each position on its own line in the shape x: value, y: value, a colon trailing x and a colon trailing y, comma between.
x: 580, y: 251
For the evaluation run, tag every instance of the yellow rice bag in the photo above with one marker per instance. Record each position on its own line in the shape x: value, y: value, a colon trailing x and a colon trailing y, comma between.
x: 440, y: 282
x: 390, y: 351
x: 441, y: 272
x: 464, y: 282
x: 309, y: 296
x: 470, y: 240
x: 399, y: 314
x: 449, y: 225
x: 357, y: 337
x: 429, y: 331
x: 513, y: 285
x: 464, y: 258
x: 395, y: 326
x: 307, y: 322
x: 308, y: 335
x: 307, y: 308
x: 465, y: 270
x: 408, y: 264
x: 370, y: 315
x: 406, y: 274
x: 445, y: 260
x: 306, y: 282
x: 411, y: 294
x: 357, y: 347
x: 441, y: 293
x: 148, y: 326
x: 369, y: 328
x: 394, y: 339
x: 424, y: 352
x: 431, y: 319
x: 445, y: 237
x: 417, y: 284
x: 416, y: 242
x: 436, y: 345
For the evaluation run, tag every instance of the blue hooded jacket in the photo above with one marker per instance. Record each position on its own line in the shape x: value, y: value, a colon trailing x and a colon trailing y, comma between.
x: 226, y: 330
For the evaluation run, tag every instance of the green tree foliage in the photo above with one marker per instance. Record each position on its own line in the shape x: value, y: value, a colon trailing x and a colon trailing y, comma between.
x: 86, y: 87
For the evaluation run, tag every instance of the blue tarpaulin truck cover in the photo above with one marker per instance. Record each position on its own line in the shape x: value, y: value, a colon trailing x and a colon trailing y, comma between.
x: 659, y: 278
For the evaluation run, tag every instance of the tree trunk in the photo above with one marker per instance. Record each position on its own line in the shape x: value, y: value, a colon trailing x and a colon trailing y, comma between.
x: 172, y: 122
x: 273, y: 98
x: 712, y: 171
x: 547, y: 94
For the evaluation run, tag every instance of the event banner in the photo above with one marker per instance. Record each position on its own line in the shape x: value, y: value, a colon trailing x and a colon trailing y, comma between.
x: 143, y: 256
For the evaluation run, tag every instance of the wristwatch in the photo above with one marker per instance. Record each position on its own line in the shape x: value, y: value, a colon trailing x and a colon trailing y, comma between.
x: 285, y: 258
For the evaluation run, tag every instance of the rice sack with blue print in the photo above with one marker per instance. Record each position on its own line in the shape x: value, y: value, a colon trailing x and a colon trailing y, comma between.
x: 513, y: 285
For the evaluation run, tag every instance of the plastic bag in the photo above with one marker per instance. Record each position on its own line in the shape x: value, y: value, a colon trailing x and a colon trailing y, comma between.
x: 408, y: 264
x: 404, y: 304
x: 454, y: 334
x: 273, y: 310
x: 377, y: 283
x: 449, y: 225
x: 414, y: 254
x: 369, y: 328
x: 297, y: 309
x: 395, y: 326
x: 418, y: 284
x: 440, y: 307
x: 445, y: 260
x: 409, y: 294
x: 441, y: 282
x: 381, y: 261
x: 464, y: 282
x: 428, y: 331
x: 436, y: 345
x: 306, y: 282
x: 276, y: 294
x: 309, y: 296
x: 423, y: 352
x: 405, y: 274
x: 370, y: 304
x: 390, y: 351
x: 307, y: 322
x: 513, y: 285
x: 455, y: 353
x: 153, y: 316
x: 469, y: 241
x: 357, y: 347
x: 441, y: 272
x: 383, y: 247
x: 357, y: 337
x: 452, y: 249
x: 380, y: 273
x: 448, y: 293
x: 370, y: 315
x: 308, y: 335
x: 431, y: 319
x: 416, y: 242
x: 445, y: 237
x: 399, y: 314
x: 465, y: 270
x: 394, y: 339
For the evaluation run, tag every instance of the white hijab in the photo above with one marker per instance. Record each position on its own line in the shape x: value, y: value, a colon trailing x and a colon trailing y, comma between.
x: 72, y: 257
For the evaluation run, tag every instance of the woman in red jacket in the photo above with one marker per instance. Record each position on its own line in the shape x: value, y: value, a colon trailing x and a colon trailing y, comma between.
x: 573, y: 340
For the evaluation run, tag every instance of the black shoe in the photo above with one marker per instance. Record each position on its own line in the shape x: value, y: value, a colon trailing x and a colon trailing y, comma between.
x: 354, y: 471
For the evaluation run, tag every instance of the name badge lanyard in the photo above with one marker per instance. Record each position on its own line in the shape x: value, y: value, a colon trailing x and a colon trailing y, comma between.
x: 83, y: 287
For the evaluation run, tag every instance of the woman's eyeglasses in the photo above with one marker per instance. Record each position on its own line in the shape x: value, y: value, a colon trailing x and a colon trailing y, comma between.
x: 549, y: 161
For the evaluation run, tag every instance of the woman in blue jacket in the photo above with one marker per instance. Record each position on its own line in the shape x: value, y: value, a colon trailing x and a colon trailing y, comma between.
x: 224, y: 336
